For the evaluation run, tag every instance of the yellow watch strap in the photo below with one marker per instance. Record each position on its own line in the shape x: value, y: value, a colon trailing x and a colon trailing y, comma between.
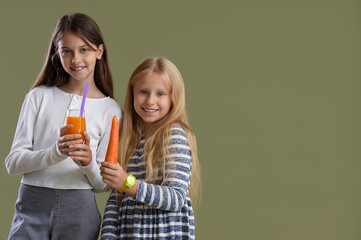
x: 129, y: 182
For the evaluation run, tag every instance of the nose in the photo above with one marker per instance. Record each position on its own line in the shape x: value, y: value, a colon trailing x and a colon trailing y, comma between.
x: 150, y: 99
x: 76, y: 57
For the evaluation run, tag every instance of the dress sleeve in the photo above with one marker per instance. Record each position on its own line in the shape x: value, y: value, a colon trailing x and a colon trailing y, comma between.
x: 22, y: 159
x: 110, y: 227
x: 172, y: 195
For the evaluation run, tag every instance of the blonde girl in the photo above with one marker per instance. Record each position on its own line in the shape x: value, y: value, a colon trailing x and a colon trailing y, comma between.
x: 60, y: 173
x: 158, y: 172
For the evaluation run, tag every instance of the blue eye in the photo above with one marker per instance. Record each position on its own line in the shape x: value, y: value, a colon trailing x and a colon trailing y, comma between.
x: 161, y: 94
x: 143, y: 92
x: 65, y: 51
x: 84, y: 50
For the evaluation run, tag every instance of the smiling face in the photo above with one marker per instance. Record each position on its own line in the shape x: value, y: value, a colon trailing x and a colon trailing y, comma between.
x: 78, y: 57
x: 152, y: 99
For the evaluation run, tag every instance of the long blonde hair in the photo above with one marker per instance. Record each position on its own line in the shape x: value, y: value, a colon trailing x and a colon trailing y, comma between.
x: 157, y: 138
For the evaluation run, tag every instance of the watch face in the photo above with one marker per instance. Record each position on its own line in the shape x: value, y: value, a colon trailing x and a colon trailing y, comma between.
x: 131, y: 180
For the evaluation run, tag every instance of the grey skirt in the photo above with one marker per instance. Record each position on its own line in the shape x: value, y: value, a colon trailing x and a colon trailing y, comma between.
x: 46, y: 213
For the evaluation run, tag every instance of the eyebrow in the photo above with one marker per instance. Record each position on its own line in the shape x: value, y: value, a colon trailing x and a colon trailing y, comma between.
x: 158, y: 89
x: 85, y: 45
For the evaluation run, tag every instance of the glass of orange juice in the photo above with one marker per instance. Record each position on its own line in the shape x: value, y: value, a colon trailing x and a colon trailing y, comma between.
x: 73, y: 118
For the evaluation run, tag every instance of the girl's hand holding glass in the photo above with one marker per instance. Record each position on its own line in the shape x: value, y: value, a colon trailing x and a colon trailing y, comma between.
x: 74, y: 146
x: 65, y: 140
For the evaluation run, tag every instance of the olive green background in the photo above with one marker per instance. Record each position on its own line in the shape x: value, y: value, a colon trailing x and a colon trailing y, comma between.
x: 273, y: 95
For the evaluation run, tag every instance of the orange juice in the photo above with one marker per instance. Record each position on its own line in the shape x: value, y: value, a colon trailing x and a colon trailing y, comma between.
x: 78, y: 126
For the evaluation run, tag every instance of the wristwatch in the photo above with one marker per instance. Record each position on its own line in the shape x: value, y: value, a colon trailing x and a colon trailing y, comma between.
x: 129, y: 182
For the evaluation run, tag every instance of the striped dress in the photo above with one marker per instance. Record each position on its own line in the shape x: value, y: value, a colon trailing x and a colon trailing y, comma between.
x: 159, y: 211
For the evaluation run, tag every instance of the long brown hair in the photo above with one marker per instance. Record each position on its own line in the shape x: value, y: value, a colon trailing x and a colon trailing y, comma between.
x: 86, y: 28
x: 157, y: 138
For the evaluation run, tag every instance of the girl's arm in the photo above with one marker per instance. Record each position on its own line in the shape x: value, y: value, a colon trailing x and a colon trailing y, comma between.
x: 172, y: 195
x: 92, y: 170
x: 22, y: 159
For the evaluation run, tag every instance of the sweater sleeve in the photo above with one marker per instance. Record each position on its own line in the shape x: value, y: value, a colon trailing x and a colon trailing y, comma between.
x: 172, y: 195
x: 22, y: 159
x: 92, y: 170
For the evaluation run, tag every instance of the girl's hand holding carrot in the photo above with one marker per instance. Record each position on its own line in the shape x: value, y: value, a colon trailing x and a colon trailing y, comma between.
x: 113, y: 174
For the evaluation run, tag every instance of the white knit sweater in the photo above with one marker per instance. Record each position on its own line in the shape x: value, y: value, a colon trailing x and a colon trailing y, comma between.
x: 34, y: 152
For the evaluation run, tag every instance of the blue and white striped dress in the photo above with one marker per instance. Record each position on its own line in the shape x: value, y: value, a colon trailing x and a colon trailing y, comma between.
x: 159, y: 211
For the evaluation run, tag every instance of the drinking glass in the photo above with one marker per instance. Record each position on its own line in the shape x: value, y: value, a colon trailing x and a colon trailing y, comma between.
x: 73, y: 118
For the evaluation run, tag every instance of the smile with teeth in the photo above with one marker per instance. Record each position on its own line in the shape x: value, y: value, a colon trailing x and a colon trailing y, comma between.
x: 150, y: 110
x: 78, y: 68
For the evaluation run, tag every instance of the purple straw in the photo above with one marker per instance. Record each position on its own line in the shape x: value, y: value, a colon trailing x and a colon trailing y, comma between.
x: 83, y: 100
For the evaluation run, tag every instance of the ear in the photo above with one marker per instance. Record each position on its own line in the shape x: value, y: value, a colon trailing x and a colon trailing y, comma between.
x: 100, y: 51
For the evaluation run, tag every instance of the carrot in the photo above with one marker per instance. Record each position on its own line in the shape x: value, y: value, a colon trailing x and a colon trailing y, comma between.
x: 112, y: 151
